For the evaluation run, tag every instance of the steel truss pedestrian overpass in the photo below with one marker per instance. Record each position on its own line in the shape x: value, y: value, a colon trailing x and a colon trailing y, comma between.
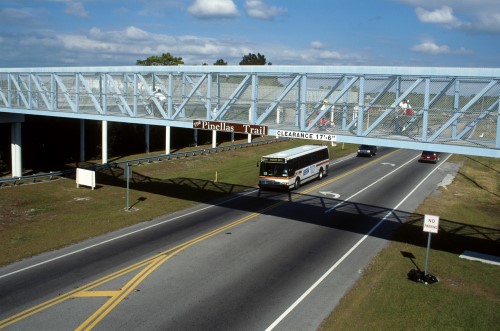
x: 454, y: 110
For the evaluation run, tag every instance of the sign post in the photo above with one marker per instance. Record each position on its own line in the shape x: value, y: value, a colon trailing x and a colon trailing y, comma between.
x: 431, y: 225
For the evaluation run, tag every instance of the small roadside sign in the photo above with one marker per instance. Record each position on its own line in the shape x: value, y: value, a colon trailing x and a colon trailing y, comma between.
x: 431, y: 223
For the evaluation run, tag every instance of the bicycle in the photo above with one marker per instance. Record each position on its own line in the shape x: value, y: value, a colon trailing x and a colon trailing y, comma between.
x: 411, y: 128
x: 325, y: 125
x: 151, y: 108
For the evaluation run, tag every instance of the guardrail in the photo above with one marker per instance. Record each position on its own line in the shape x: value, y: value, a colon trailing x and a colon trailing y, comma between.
x: 71, y: 173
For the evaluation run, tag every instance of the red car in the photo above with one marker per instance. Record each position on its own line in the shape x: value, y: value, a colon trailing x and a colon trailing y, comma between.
x: 428, y: 156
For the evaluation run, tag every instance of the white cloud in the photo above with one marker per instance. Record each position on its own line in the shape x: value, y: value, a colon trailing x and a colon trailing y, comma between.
x: 444, y: 15
x: 213, y: 8
x: 467, y: 15
x: 331, y: 55
x: 135, y: 33
x: 430, y: 47
x: 124, y: 47
x: 288, y: 56
x: 83, y: 43
x: 133, y: 43
x: 259, y: 9
x: 317, y: 44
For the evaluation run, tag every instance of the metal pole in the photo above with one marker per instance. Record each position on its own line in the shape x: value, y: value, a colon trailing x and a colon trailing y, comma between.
x: 82, y: 140
x: 127, y: 174
x: 427, y: 253
x: 146, y: 133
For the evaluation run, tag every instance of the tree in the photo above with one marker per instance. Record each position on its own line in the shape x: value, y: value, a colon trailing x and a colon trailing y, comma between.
x: 220, y: 62
x: 166, y: 59
x: 252, y: 59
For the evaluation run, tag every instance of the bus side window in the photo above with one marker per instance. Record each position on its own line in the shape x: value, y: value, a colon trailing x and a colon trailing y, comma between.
x: 292, y: 167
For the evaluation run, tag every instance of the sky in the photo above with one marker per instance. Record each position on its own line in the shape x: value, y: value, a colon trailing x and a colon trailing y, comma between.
x: 420, y: 33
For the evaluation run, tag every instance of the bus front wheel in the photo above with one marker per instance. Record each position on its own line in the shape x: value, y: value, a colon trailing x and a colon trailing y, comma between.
x: 297, y: 184
x: 320, y: 175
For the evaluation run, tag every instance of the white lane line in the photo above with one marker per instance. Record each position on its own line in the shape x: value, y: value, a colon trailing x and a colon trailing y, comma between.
x: 367, y: 187
x: 122, y: 236
x: 332, y: 268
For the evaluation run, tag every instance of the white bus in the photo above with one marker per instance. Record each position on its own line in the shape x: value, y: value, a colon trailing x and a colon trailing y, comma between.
x: 289, y: 169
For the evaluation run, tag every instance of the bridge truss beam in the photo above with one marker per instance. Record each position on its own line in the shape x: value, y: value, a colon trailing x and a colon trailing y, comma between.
x: 453, y: 109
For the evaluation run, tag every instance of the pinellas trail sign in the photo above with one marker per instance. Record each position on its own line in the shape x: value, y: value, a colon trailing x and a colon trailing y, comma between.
x: 230, y: 127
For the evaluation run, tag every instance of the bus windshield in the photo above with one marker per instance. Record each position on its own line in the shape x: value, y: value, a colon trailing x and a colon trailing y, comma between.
x: 273, y: 169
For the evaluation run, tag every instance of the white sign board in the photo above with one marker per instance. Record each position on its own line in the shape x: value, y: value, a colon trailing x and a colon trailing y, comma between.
x: 85, y: 177
x: 306, y: 135
x: 431, y: 223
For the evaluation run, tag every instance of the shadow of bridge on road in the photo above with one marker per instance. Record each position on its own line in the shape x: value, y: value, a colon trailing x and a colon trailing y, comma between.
x: 453, y: 236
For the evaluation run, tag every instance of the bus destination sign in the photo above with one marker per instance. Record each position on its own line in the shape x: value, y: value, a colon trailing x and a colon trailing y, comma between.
x: 306, y: 135
x: 273, y: 159
x: 230, y: 127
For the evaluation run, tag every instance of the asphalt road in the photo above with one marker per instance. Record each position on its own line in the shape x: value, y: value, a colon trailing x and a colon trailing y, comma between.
x: 256, y: 261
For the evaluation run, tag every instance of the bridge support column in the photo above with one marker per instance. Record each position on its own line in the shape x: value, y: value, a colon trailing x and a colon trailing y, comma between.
x: 249, y: 139
x: 82, y: 140
x: 195, y: 137
x: 146, y: 133
x: 15, y: 133
x: 167, y: 140
x: 214, y: 139
x: 104, y: 142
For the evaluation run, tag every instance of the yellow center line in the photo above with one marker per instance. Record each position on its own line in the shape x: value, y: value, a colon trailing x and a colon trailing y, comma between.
x: 105, y: 309
x: 97, y: 294
x: 134, y: 282
x: 149, y: 265
x: 63, y: 297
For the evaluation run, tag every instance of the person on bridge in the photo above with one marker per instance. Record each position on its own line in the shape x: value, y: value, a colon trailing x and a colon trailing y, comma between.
x: 161, y: 97
x: 406, y: 107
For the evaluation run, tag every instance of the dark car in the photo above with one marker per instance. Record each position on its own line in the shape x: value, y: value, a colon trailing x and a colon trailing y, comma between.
x: 367, y: 150
x: 428, y: 156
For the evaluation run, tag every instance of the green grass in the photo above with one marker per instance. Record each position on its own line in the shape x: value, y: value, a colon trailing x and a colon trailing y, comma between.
x: 465, y: 298
x: 41, y: 217
x: 467, y: 295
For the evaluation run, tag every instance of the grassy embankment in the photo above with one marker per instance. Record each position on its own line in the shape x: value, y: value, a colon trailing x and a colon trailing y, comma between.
x: 467, y: 295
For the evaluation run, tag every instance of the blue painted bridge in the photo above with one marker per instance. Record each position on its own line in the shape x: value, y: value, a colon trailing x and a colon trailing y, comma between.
x: 455, y: 110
